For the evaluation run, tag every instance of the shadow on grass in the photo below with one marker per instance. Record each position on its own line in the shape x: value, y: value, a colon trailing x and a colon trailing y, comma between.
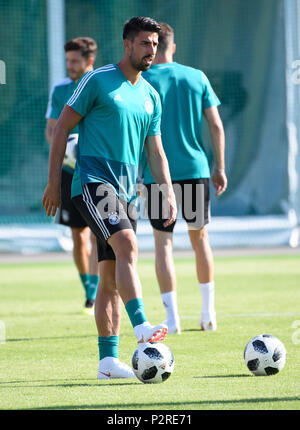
x: 161, y: 405
x: 223, y: 376
x: 38, y: 313
x: 186, y: 330
x: 199, y: 330
x: 30, y: 339
x: 94, y: 382
x: 67, y: 384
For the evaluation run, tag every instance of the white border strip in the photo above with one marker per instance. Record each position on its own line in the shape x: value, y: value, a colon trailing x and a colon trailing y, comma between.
x: 56, y: 41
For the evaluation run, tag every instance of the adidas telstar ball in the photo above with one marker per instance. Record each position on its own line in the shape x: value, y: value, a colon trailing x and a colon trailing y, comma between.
x: 265, y: 355
x: 70, y: 154
x: 153, y: 362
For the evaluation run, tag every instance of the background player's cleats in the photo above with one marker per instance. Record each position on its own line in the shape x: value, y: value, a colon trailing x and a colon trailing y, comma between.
x: 173, y: 328
x: 89, y: 307
x: 208, y: 324
x: 113, y: 368
x: 148, y: 333
x: 208, y: 321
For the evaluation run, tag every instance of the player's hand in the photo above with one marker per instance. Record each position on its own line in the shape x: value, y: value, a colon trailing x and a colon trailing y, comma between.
x: 172, y: 209
x: 51, y: 199
x: 219, y: 181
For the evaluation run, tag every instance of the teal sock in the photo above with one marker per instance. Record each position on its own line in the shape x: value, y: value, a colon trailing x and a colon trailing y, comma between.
x: 92, y: 288
x: 108, y: 346
x: 85, y: 280
x: 136, y: 313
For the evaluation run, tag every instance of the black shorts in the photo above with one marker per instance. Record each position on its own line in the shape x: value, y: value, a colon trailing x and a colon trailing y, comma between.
x: 105, y: 213
x: 68, y: 213
x: 192, y: 197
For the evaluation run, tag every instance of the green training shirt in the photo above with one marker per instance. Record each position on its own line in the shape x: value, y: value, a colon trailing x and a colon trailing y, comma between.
x: 184, y: 93
x: 117, y: 118
x: 59, y: 95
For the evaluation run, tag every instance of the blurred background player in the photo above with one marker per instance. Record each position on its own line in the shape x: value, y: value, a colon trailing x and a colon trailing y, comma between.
x: 118, y: 113
x: 186, y: 97
x: 80, y: 56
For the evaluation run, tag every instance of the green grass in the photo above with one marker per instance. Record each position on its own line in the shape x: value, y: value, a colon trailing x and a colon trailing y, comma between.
x: 50, y: 357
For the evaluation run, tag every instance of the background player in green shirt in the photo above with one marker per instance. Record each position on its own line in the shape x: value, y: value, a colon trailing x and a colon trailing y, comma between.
x: 118, y: 113
x: 80, y: 56
x: 186, y: 97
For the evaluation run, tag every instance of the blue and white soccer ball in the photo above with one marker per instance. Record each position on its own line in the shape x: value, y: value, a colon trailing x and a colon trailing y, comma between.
x: 265, y: 355
x: 153, y: 362
x: 71, y: 149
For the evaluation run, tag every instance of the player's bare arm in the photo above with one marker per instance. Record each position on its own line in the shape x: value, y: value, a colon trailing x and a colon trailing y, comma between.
x: 51, y: 123
x: 66, y: 122
x: 217, y: 136
x: 159, y: 167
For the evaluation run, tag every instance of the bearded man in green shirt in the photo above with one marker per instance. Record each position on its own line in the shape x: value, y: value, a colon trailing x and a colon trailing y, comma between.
x: 118, y: 113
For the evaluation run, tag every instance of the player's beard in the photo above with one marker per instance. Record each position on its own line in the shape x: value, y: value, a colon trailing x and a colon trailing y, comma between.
x: 140, y: 65
x: 75, y: 75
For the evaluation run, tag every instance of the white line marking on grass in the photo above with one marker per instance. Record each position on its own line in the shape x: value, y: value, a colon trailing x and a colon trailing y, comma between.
x: 259, y: 315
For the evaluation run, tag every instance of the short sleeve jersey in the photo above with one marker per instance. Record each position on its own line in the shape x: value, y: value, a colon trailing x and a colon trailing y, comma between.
x: 59, y: 95
x: 117, y: 118
x: 184, y: 93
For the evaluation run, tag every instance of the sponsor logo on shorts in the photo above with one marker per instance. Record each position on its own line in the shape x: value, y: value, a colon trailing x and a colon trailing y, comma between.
x: 65, y: 215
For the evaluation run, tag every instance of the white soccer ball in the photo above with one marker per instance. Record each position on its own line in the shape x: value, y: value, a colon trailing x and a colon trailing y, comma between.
x: 152, y: 362
x: 265, y: 355
x: 70, y: 154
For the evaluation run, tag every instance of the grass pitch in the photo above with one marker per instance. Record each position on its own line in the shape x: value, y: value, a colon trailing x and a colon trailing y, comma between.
x: 49, y: 352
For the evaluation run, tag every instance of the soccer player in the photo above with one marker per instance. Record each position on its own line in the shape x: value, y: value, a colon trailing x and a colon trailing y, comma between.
x: 118, y: 114
x: 187, y: 97
x: 80, y: 56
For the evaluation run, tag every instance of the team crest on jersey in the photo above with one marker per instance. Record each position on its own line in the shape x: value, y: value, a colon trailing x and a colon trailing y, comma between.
x: 113, y: 218
x: 118, y: 98
x: 149, y: 106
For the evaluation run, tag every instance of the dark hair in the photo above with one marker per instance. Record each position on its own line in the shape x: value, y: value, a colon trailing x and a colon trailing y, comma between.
x: 166, y: 37
x: 135, y: 25
x: 86, y: 45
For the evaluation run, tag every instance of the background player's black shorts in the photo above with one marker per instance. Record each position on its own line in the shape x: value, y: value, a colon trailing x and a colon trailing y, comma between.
x: 192, y: 197
x: 105, y: 213
x: 68, y: 214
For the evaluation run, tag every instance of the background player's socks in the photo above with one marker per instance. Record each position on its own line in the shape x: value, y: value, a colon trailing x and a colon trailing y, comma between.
x: 208, y: 301
x: 170, y: 303
x: 135, y: 311
x: 92, y: 287
x: 85, y: 280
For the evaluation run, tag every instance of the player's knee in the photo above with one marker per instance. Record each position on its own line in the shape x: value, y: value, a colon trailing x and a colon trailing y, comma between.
x: 164, y: 254
x: 198, y: 236
x: 203, y: 234
x: 125, y: 246
x: 80, y: 237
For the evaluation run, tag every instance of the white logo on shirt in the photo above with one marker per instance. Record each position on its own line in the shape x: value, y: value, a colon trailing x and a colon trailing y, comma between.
x: 118, y: 97
x: 148, y: 106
